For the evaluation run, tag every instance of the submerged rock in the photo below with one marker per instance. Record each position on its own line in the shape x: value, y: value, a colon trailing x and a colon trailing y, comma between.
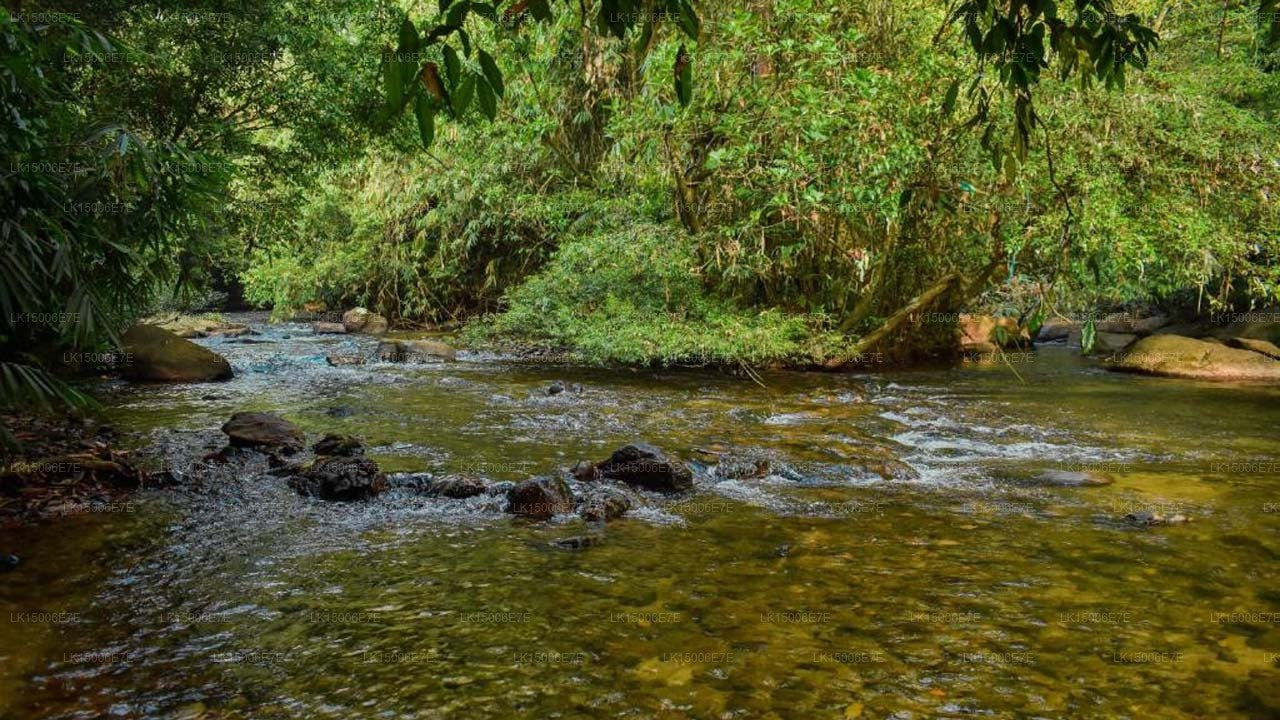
x: 1055, y: 478
x: 1182, y: 357
x: 555, y: 388
x: 263, y: 430
x: 342, y: 479
x: 339, y: 359
x: 457, y: 487
x: 1144, y: 518
x: 153, y: 353
x: 9, y: 562
x: 576, y: 542
x: 541, y: 498
x: 645, y: 466
x: 342, y: 445
x: 360, y: 320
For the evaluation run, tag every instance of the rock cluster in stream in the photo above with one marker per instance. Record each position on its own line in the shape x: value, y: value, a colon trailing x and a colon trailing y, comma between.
x: 598, y: 492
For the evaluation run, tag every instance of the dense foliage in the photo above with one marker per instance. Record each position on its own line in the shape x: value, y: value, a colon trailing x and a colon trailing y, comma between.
x: 641, y: 181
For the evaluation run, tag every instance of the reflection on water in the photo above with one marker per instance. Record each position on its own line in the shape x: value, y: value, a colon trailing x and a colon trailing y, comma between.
x: 904, y: 556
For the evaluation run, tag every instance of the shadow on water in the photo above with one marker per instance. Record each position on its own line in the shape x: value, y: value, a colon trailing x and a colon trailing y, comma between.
x: 909, y: 552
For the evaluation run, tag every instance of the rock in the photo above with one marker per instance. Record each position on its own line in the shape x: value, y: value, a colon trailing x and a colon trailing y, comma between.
x: 427, y: 350
x: 191, y: 326
x: 153, y: 353
x: 748, y: 469
x: 328, y: 328
x: 360, y: 320
x: 978, y: 333
x: 341, y: 479
x: 604, y: 505
x: 338, y: 360
x: 457, y: 487
x: 9, y: 563
x: 1254, y: 345
x: 541, y: 498
x: 392, y: 351
x: 1107, y: 343
x: 263, y: 430
x: 343, y: 445
x: 1176, y: 356
x: 647, y: 467
x: 1057, y: 330
x: 555, y: 388
x: 415, y: 351
x: 584, y: 471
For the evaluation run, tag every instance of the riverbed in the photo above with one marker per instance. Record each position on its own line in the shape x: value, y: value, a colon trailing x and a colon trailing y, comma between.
x: 911, y: 556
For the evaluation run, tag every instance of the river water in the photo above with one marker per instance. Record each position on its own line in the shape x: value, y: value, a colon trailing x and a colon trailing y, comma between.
x: 907, y: 557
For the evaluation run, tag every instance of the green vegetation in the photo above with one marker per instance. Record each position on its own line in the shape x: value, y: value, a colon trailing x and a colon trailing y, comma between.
x: 666, y: 182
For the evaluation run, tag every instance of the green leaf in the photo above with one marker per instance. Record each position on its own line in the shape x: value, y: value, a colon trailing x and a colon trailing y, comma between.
x: 452, y: 65
x: 541, y: 10
x: 458, y: 14
x: 461, y: 96
x: 488, y: 101
x: 1088, y: 336
x: 392, y: 84
x: 408, y: 37
x: 949, y: 102
x: 491, y: 72
x: 426, y: 116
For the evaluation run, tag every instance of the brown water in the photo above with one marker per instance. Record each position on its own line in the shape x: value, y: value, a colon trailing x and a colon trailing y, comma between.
x: 903, y: 562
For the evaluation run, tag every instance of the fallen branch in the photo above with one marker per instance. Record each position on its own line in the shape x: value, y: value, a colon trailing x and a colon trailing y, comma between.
x: 896, y: 320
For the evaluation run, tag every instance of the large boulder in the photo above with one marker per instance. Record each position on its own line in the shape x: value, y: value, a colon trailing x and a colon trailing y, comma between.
x: 645, y: 466
x: 1127, y: 323
x: 360, y: 320
x: 1057, y: 330
x: 541, y: 498
x: 978, y: 333
x: 1182, y: 357
x: 263, y: 430
x: 153, y: 353
x: 341, y: 479
x: 196, y: 326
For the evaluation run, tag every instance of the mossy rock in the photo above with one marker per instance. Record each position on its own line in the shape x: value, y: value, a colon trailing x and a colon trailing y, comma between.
x: 157, y: 354
x: 1183, y: 357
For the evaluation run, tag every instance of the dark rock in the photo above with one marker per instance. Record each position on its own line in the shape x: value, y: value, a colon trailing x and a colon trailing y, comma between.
x: 555, y: 388
x: 328, y: 328
x: 647, y: 467
x: 604, y: 505
x: 1057, y: 330
x: 743, y: 469
x: 341, y: 479
x: 9, y: 562
x: 577, y: 542
x: 263, y: 430
x: 340, y: 411
x: 392, y: 351
x: 343, y: 445
x: 415, y: 351
x: 783, y: 550
x: 1107, y: 343
x: 541, y: 498
x: 153, y: 353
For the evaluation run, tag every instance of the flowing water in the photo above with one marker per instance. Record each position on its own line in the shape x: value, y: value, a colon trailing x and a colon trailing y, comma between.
x: 905, y: 559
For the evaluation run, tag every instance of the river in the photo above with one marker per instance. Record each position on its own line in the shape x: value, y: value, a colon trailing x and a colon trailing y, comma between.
x: 908, y: 557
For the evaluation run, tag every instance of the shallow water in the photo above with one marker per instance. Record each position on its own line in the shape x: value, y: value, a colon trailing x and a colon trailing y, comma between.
x: 906, y: 564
